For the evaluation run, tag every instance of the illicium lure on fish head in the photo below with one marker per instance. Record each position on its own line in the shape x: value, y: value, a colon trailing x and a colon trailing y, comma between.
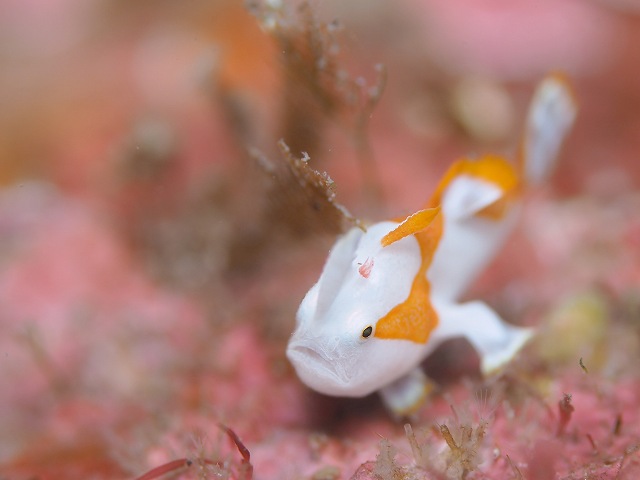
x: 389, y: 295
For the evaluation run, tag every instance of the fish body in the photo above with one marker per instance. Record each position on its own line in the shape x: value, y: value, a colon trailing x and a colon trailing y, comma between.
x: 388, y: 296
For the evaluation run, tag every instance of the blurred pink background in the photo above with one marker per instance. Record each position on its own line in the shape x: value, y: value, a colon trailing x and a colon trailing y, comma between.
x: 144, y: 298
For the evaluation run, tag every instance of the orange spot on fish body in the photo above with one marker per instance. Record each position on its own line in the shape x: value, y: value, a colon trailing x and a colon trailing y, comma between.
x: 415, y: 318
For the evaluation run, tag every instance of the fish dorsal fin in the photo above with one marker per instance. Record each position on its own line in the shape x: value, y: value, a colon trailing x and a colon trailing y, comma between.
x: 551, y: 114
x: 413, y: 224
x: 476, y: 187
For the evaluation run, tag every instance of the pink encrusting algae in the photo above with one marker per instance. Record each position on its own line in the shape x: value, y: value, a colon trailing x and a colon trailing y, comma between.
x: 157, y: 237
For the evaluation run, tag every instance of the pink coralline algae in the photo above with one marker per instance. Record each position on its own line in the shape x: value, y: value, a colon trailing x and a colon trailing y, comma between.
x: 155, y: 241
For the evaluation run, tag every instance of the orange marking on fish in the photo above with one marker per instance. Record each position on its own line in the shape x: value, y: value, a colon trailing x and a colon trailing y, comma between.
x: 413, y: 224
x: 415, y: 318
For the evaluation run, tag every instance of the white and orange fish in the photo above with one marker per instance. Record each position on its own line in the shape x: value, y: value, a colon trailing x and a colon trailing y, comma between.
x: 389, y: 295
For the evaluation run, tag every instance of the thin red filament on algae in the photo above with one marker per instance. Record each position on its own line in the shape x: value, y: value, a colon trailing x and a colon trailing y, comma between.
x: 592, y: 442
x: 618, y: 425
x: 246, y: 469
x: 166, y: 468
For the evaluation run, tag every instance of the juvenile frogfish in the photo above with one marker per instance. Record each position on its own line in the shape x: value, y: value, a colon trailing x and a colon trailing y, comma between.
x: 389, y: 295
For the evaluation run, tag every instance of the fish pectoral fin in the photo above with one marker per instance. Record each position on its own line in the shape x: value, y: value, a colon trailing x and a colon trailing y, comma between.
x: 496, y: 341
x: 405, y: 396
x: 413, y: 224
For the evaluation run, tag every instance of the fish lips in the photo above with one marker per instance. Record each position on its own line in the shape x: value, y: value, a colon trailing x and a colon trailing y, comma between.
x: 319, y: 371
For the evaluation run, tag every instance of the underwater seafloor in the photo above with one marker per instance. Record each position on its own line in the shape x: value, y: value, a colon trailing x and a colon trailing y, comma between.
x: 156, y: 238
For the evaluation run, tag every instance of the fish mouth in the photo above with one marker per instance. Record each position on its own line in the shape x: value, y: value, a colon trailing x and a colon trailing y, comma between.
x: 316, y: 369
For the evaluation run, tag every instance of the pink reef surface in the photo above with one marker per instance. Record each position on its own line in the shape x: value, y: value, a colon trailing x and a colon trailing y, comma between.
x: 150, y: 267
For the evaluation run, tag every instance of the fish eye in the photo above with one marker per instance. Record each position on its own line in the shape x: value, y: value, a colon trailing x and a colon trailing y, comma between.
x: 366, y: 333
